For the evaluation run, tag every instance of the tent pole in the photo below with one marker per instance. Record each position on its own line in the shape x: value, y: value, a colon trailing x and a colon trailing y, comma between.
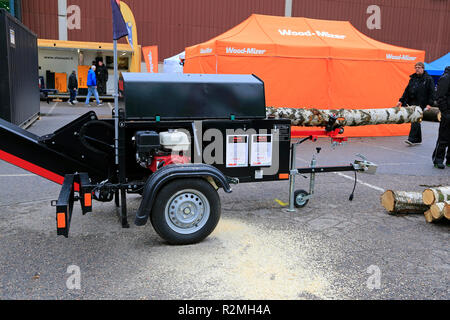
x: 116, y: 106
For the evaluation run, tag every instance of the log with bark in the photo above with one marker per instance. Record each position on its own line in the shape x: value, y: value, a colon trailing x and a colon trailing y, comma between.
x: 403, y: 202
x: 428, y: 216
x: 438, y: 209
x: 347, y: 117
x: 447, y: 211
x: 432, y: 114
x: 433, y: 195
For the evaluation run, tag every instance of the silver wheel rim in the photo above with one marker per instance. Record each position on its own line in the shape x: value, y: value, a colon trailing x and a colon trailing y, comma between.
x: 187, y: 211
x: 300, y: 199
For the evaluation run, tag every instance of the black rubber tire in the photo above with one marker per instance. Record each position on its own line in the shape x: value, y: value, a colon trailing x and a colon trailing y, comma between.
x: 159, y: 221
x: 297, y: 193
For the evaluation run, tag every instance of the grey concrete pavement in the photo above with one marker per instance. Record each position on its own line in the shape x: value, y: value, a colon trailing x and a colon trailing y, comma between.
x: 331, y: 249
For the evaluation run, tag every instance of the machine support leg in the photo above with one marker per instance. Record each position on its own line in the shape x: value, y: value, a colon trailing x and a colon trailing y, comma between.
x: 311, y: 183
x: 292, y: 179
x: 291, y: 192
x: 123, y: 215
x: 122, y: 170
x: 116, y: 198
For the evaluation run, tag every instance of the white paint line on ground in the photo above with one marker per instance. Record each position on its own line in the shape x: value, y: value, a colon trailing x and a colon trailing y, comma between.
x: 352, y: 178
x: 359, y: 181
x: 110, y: 106
x: 52, y: 108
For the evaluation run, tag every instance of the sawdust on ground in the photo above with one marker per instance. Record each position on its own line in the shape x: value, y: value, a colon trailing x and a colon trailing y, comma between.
x: 239, y: 261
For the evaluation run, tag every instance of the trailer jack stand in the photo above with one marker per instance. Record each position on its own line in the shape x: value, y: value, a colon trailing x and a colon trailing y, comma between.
x: 299, y: 198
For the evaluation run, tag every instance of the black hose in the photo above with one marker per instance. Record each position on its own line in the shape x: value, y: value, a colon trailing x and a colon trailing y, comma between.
x: 354, y: 187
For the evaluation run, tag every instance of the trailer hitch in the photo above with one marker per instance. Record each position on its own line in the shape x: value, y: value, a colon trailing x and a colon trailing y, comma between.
x: 364, y: 165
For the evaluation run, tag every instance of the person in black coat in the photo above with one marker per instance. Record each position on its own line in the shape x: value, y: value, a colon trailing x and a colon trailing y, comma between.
x: 418, y: 92
x: 443, y: 102
x: 73, y: 86
x: 102, y: 77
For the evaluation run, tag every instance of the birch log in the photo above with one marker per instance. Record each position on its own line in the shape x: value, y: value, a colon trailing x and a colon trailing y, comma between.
x: 356, y: 117
x: 433, y: 195
x: 447, y: 211
x: 428, y: 216
x: 403, y: 202
x: 438, y: 209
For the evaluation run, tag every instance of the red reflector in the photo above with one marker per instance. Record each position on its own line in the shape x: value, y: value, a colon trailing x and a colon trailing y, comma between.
x: 87, y: 200
x: 61, y: 220
x: 283, y: 176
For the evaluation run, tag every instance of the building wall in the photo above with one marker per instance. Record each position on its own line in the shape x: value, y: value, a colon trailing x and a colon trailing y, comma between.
x: 416, y: 24
x: 176, y: 24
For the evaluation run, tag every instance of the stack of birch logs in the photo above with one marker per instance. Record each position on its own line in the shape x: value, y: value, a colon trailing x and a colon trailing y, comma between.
x: 434, y: 203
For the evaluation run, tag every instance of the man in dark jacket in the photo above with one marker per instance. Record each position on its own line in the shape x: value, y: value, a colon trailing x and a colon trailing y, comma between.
x: 102, y: 77
x: 419, y: 92
x: 443, y: 101
x: 73, y: 86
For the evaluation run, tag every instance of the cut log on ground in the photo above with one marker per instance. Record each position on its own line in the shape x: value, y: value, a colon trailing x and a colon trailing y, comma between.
x: 347, y: 117
x: 432, y: 114
x: 433, y: 195
x: 447, y: 211
x: 403, y: 202
x: 438, y: 209
x: 428, y: 216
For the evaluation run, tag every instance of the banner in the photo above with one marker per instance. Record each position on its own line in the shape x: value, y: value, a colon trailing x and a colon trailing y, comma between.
x: 82, y: 76
x: 151, y: 58
x: 130, y: 24
x: 119, y: 27
x: 61, y: 82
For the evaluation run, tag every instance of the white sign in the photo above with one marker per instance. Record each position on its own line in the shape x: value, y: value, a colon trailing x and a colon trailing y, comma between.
x: 12, y: 37
x: 244, y: 50
x: 308, y: 33
x: 400, y: 57
x: 261, y: 150
x: 237, y: 151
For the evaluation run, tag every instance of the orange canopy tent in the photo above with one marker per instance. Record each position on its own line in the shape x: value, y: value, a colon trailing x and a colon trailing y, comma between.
x: 310, y: 63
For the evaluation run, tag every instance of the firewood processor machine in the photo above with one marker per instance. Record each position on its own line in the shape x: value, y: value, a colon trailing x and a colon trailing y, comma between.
x: 176, y: 140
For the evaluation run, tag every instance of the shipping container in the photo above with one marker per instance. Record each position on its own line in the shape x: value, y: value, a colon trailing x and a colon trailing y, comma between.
x: 415, y: 24
x: 173, y: 25
x: 19, y: 79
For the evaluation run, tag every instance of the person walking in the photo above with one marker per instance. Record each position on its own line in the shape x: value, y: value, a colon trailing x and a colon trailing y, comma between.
x: 102, y: 77
x: 442, y: 149
x: 92, y: 86
x: 418, y: 92
x: 73, y: 86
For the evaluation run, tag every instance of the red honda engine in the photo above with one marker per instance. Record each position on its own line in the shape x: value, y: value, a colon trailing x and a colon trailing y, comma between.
x: 156, y: 150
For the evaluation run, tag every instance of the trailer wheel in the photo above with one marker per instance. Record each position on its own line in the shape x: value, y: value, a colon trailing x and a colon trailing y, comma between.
x: 186, y: 211
x: 299, y: 198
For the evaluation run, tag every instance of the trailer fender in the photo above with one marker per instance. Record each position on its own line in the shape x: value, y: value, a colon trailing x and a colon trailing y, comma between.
x: 171, y: 172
